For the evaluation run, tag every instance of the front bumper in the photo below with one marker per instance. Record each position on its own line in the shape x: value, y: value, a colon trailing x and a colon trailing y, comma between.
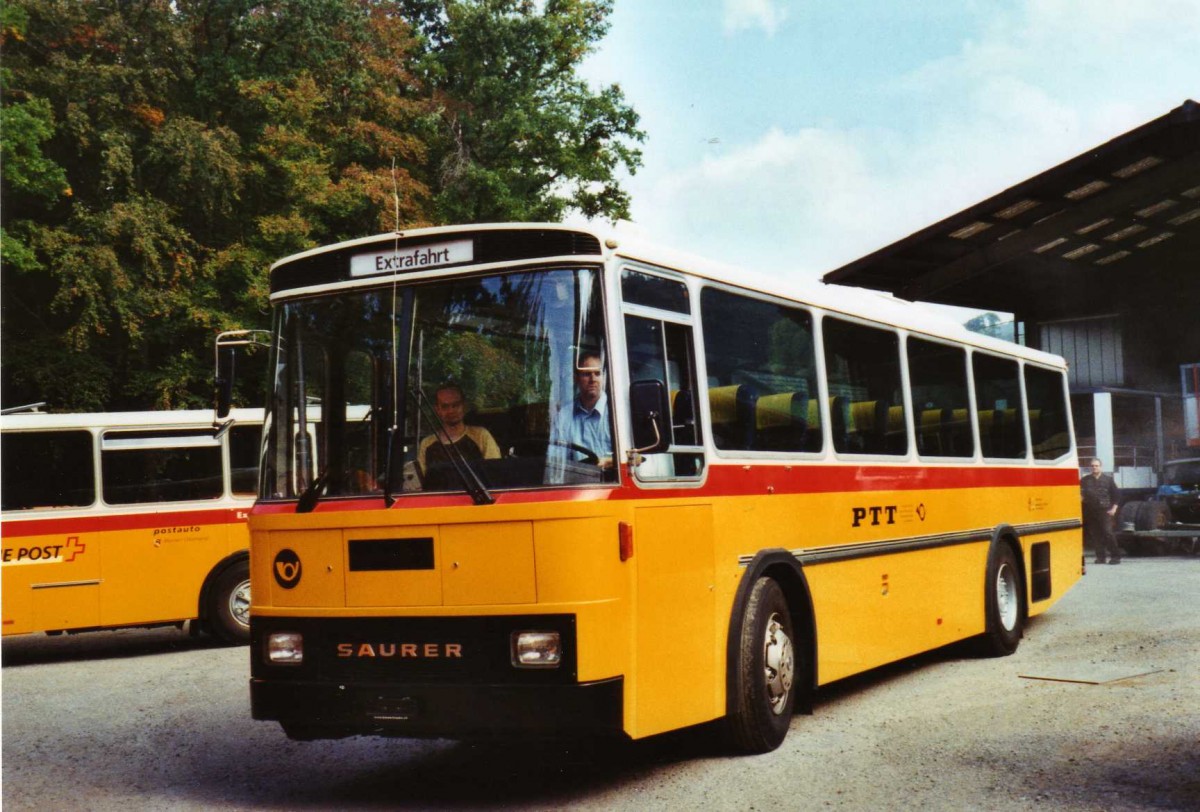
x: 318, y: 711
x: 372, y: 676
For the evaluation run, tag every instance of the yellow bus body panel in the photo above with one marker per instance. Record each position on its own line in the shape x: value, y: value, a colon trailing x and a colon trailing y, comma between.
x: 159, y: 576
x: 57, y: 589
x: 676, y: 636
x: 112, y: 578
x: 661, y: 619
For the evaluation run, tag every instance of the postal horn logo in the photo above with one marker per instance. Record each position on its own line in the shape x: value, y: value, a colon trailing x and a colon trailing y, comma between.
x: 287, y: 568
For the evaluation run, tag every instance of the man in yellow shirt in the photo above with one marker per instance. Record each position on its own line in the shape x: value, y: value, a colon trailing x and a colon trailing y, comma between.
x: 474, y: 442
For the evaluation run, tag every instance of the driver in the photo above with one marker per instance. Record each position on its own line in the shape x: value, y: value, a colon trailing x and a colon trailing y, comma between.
x: 587, y: 425
x: 475, y: 442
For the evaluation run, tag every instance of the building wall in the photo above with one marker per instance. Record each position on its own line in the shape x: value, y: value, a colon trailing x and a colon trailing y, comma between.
x: 1093, y: 347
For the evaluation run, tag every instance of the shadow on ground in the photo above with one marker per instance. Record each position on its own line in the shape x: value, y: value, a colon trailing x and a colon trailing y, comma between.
x: 36, y: 649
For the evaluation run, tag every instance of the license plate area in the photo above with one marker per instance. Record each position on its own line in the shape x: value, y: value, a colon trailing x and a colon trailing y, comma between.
x: 394, y: 708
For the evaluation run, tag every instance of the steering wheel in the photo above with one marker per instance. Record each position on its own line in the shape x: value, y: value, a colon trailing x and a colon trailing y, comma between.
x: 533, y: 446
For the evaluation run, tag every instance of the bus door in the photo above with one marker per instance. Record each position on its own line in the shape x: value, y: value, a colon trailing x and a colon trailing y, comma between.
x: 674, y: 539
x: 153, y: 570
x: 51, y: 576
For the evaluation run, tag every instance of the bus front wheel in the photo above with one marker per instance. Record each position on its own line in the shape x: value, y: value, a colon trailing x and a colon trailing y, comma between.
x: 229, y: 604
x: 1004, y: 604
x: 764, y: 676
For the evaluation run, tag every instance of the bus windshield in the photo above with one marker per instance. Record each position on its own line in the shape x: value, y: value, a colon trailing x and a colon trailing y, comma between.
x: 396, y: 389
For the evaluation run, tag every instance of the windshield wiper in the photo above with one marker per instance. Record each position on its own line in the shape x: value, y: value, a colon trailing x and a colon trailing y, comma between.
x: 312, y: 494
x: 389, y: 498
x: 472, y: 484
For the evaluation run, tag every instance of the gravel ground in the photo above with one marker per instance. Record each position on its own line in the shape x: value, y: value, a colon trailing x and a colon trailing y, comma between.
x: 138, y: 720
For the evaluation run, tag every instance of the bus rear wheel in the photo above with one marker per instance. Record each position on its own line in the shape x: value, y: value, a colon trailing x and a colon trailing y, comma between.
x: 764, y: 673
x: 1004, y: 604
x: 229, y: 604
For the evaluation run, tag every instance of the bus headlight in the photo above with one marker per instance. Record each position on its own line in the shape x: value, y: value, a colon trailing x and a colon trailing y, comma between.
x: 536, y: 650
x: 285, y: 648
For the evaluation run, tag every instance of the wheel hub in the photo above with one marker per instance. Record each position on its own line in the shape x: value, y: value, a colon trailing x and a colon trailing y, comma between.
x: 1006, y: 597
x: 780, y: 665
x: 239, y: 603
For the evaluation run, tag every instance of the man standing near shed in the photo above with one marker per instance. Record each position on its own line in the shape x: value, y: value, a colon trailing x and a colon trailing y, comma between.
x: 1100, y: 500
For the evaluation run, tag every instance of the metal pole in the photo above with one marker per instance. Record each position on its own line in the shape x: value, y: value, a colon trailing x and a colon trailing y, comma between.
x: 1159, y: 448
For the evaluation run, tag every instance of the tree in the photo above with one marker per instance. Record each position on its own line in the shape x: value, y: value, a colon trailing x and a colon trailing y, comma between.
x: 85, y: 270
x: 521, y: 135
x: 159, y: 155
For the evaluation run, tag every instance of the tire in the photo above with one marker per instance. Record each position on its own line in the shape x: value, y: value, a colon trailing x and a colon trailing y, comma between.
x: 1127, y: 516
x: 763, y: 681
x: 229, y: 605
x: 1153, y: 516
x: 1004, y: 603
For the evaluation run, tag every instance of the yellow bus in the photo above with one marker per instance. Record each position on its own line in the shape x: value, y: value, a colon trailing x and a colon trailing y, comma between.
x: 599, y: 487
x: 127, y: 519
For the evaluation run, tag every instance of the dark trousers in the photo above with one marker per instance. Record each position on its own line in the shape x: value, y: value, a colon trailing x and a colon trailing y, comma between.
x: 1098, y: 534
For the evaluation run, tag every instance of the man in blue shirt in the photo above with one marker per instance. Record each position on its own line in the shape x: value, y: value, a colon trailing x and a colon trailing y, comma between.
x: 588, y: 424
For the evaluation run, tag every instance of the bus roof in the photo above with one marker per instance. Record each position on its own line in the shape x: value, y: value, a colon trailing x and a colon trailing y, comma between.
x: 179, y: 418
x: 626, y: 242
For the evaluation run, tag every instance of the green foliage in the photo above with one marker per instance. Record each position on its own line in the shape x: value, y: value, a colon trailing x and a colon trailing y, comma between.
x: 521, y: 136
x: 27, y: 170
x: 159, y: 155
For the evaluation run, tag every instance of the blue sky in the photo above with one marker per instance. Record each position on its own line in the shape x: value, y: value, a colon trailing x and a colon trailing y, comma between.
x: 793, y: 136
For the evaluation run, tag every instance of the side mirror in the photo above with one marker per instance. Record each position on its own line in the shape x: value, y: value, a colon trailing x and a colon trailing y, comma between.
x: 223, y: 396
x: 651, y: 411
x: 225, y: 349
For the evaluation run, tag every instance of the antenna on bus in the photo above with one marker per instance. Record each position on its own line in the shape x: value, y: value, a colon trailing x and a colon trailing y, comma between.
x: 395, y: 199
x: 388, y: 498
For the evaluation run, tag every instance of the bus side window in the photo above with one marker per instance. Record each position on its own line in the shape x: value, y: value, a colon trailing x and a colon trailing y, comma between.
x: 762, y: 380
x: 863, y: 366
x: 153, y: 466
x: 47, y: 469
x: 1051, y: 434
x: 938, y: 382
x: 998, y: 406
x: 662, y: 351
x: 245, y: 443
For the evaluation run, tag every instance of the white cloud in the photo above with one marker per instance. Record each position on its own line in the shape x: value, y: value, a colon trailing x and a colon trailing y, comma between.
x: 770, y: 205
x: 1035, y: 86
x: 1094, y: 57
x: 742, y: 15
x: 1042, y: 85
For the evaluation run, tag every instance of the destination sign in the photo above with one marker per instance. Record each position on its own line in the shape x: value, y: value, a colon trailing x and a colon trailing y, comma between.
x: 413, y: 258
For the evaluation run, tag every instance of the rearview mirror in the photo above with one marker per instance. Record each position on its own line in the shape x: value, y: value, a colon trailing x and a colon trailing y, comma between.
x: 651, y: 411
x: 225, y: 349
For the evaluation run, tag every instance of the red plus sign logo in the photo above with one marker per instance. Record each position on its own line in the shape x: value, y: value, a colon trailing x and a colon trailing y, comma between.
x: 74, y: 548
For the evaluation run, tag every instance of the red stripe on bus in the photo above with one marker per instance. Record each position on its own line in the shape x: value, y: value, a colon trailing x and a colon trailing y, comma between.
x: 738, y: 481
x: 15, y: 528
x: 743, y: 480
